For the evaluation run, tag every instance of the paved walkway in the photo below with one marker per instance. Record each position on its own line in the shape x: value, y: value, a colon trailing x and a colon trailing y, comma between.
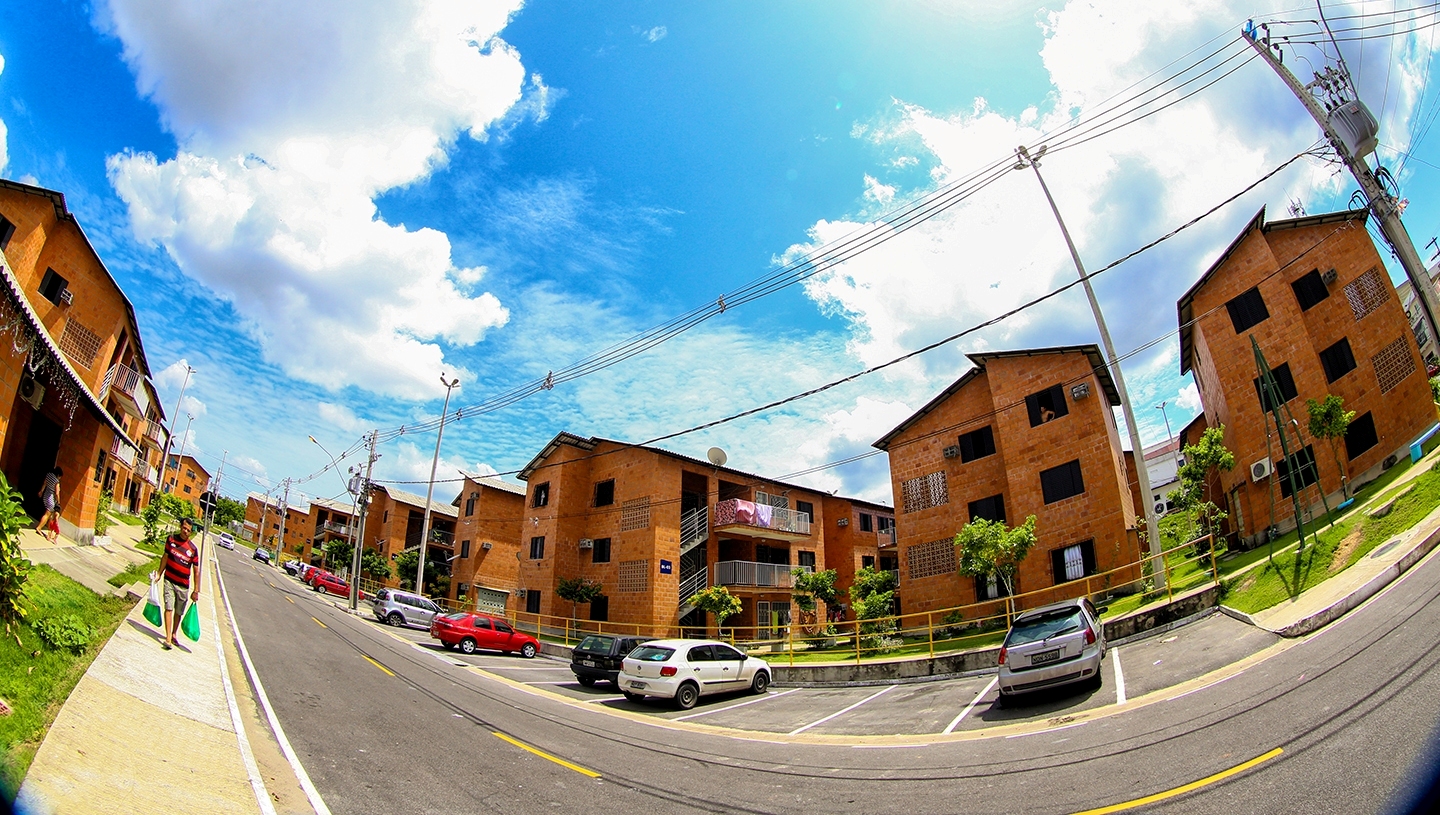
x: 150, y: 730
x: 90, y: 566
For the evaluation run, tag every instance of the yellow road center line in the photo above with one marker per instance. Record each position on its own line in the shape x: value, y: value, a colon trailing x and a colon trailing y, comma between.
x: 291, y: 599
x: 541, y: 753
x: 1191, y: 787
x: 378, y: 665
x: 317, y: 622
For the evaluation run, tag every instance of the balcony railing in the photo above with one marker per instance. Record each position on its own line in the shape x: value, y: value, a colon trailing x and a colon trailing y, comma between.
x: 339, y: 528
x: 443, y: 538
x: 155, y: 433
x: 887, y: 538
x: 150, y: 475
x: 128, y: 387
x: 123, y: 452
x: 748, y: 573
x: 761, y: 520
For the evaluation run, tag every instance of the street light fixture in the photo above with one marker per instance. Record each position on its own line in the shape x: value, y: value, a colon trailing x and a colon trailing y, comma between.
x: 430, y: 490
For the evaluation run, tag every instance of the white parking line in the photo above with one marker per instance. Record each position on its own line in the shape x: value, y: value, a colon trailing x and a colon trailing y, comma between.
x: 732, y: 707
x: 1119, y: 676
x: 950, y: 728
x: 841, y: 712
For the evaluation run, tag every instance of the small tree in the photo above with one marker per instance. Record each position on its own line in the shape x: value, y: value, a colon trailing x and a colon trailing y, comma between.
x: 405, y: 565
x: 988, y: 547
x: 338, y: 553
x: 374, y: 564
x: 228, y: 510
x: 103, y: 519
x: 810, y: 587
x: 872, y: 594
x: 718, y: 601
x: 1330, y: 420
x: 1209, y: 453
x: 577, y: 590
x: 14, y: 569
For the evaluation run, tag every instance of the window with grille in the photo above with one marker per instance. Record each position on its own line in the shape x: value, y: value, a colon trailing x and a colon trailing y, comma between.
x: 770, y: 499
x: 1367, y: 293
x: 52, y: 285
x: 1046, y: 406
x: 806, y: 559
x: 991, y: 509
x: 884, y: 523
x: 79, y: 343
x: 807, y: 509
x: 925, y: 492
x: 464, y: 549
x: 930, y: 559
x: 1393, y: 364
x: 989, y: 587
x: 1247, y: 310
x: 1303, y: 463
x: 1310, y: 290
x: 634, y: 576
x: 977, y: 444
x: 1360, y: 436
x: 1337, y: 360
x: 1059, y: 483
x: 1073, y: 562
x: 635, y: 514
x: 532, y: 601
x: 1283, y: 380
x: 470, y: 505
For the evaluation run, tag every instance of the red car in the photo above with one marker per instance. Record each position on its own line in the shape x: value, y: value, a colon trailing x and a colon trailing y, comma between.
x: 470, y: 632
x: 324, y: 582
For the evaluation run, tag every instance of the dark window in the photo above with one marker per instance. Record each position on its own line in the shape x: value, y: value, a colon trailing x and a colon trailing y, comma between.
x: 532, y: 601
x: 600, y: 609
x: 542, y: 495
x: 52, y: 285
x: 1247, y: 310
x: 1310, y: 290
x: 807, y: 509
x: 991, y: 509
x: 7, y: 231
x: 884, y: 523
x: 700, y: 653
x: 601, y: 552
x: 977, y: 444
x: 867, y: 561
x: 807, y: 559
x: 724, y: 653
x: 989, y: 587
x: 1305, y: 471
x: 1337, y: 360
x: 470, y: 505
x: 464, y: 549
x: 483, y: 623
x: 1047, y: 405
x: 1283, y: 380
x: 1059, y: 483
x: 537, y: 547
x: 867, y: 522
x: 503, y: 627
x: 605, y: 493
x: 1073, y: 562
x: 1361, y: 436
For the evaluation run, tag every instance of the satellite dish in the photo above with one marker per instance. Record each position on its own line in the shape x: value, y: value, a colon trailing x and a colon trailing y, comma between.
x: 716, y: 456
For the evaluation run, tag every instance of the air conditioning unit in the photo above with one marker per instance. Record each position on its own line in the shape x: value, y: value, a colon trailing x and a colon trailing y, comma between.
x: 843, y: 522
x: 1078, y: 392
x: 1261, y: 469
x: 1330, y: 277
x: 1159, y: 508
x: 520, y: 593
x: 66, y: 297
x: 587, y: 543
x: 487, y: 545
x: 953, y: 451
x: 32, y: 391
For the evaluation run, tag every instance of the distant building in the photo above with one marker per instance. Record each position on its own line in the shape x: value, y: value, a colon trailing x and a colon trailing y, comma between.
x: 187, y: 479
x: 860, y: 534
x: 1406, y: 292
x: 263, y: 525
x: 485, y: 571
x: 394, y: 523
x: 1313, y: 293
x: 1022, y: 433
x: 329, y: 521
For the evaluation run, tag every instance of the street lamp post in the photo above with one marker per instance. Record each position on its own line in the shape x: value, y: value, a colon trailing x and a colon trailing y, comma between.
x: 1161, y: 407
x: 170, y: 436
x: 430, y: 490
x: 166, y: 463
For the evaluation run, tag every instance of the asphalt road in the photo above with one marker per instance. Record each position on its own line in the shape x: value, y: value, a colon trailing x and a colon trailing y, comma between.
x: 384, y: 722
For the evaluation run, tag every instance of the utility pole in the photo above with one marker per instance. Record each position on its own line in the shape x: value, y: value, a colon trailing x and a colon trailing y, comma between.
x: 264, y: 511
x: 284, y: 515
x: 170, y: 435
x: 1152, y: 529
x: 208, y: 510
x: 362, y: 503
x: 430, y: 490
x: 1382, y: 205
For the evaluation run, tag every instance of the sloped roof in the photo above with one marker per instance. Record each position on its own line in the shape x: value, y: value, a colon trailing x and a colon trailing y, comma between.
x: 403, y: 497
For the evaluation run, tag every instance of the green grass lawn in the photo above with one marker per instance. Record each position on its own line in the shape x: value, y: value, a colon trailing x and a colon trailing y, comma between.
x: 36, y: 686
x: 136, y: 573
x: 1292, y: 572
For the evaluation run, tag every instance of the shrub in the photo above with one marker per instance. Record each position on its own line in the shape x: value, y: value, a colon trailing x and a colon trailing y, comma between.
x: 65, y: 631
x: 14, y: 569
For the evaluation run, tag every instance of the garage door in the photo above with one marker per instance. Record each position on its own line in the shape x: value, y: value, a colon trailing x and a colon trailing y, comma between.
x: 489, y: 599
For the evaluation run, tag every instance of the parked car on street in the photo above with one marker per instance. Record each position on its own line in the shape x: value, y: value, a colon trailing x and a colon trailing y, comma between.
x: 470, y: 632
x: 261, y: 554
x: 226, y: 540
x: 1050, y: 646
x: 291, y: 567
x: 685, y: 670
x: 598, y: 657
x: 400, y: 608
x: 327, y: 583
x: 308, y: 575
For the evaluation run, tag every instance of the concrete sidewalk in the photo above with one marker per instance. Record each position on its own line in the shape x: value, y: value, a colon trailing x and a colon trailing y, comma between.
x: 150, y: 730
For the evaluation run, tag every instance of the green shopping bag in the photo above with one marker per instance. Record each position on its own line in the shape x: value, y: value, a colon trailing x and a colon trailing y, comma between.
x: 152, y: 602
x: 190, y: 623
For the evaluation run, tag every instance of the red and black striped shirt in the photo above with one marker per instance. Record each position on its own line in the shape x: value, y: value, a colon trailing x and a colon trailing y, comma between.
x: 181, y: 561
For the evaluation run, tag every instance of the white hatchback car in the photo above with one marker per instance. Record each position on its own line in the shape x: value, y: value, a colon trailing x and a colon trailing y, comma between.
x: 685, y: 670
x: 226, y: 540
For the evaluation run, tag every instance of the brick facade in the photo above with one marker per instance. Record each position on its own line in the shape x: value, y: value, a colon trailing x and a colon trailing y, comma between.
x: 394, y: 522
x: 993, y: 395
x: 849, y: 546
x: 1289, y: 263
x: 487, y: 532
x: 187, y: 480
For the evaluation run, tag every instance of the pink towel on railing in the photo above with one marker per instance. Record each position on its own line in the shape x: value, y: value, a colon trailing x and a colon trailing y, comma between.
x: 745, y: 512
x: 763, y: 514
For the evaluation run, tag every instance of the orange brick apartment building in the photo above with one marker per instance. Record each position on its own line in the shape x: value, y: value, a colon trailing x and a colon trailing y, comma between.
x: 394, y: 521
x: 653, y: 527
x: 485, y: 571
x: 74, y: 381
x: 187, y: 479
x: 1021, y: 433
x: 860, y: 534
x: 1314, y: 294
x: 262, y: 525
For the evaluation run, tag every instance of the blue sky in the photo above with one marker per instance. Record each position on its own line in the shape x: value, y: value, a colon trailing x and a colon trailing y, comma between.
x: 321, y: 207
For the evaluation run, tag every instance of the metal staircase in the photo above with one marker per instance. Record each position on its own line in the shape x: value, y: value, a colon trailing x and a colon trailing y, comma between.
x: 694, y: 574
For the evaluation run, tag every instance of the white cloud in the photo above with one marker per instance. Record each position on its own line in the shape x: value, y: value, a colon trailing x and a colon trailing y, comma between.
x: 291, y: 119
x: 252, y: 469
x: 879, y: 193
x: 191, y: 406
x: 342, y: 418
x: 1188, y: 398
x: 655, y: 34
x: 174, y: 376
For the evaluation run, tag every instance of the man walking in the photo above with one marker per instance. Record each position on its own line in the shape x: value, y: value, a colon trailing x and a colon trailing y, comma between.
x: 182, y: 567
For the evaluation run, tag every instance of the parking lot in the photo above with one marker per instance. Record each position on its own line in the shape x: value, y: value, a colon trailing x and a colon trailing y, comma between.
x: 944, y: 706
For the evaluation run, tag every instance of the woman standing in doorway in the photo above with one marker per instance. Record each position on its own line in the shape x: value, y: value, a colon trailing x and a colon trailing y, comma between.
x: 50, y: 497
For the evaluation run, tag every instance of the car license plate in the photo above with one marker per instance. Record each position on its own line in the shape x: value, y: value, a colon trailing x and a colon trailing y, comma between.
x: 638, y: 685
x: 1045, y: 656
x: 589, y: 663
